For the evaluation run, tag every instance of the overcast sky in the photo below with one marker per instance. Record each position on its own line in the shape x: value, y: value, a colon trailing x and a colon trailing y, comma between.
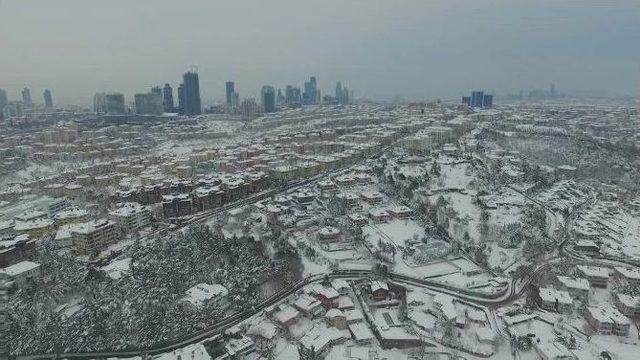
x: 409, y: 48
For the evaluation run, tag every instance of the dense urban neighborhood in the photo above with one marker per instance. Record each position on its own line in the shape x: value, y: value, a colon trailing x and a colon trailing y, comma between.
x: 330, y: 230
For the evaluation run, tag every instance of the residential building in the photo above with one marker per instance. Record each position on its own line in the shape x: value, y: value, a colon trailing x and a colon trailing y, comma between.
x: 606, y: 320
x: 23, y: 273
x: 628, y: 305
x: 597, y: 276
x: 551, y: 299
x: 629, y: 274
x: 577, y: 287
x: 131, y: 216
x: 94, y: 236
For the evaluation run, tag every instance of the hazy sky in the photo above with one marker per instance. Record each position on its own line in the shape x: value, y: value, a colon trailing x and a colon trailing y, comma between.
x: 411, y: 48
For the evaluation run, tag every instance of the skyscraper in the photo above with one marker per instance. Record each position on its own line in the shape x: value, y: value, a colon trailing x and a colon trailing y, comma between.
x: 150, y: 103
x: 3, y: 100
x: 26, y: 98
x: 311, y: 94
x: 167, y: 100
x: 181, y: 98
x: 12, y: 109
x: 230, y: 89
x: 112, y: 103
x: 342, y: 94
x: 487, y: 101
x: 280, y: 99
x: 48, y: 99
x: 477, y: 98
x: 192, y: 104
x: 157, y: 90
x: 292, y: 95
x: 268, y: 97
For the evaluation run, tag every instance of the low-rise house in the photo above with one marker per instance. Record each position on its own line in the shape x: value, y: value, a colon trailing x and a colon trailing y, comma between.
x: 341, y: 286
x: 336, y: 318
x: 203, y: 293
x: 321, y: 337
x: 286, y: 316
x: 328, y: 296
x: 379, y: 290
x: 360, y: 333
x: 309, y: 306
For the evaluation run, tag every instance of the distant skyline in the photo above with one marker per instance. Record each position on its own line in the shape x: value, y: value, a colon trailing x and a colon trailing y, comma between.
x: 379, y: 49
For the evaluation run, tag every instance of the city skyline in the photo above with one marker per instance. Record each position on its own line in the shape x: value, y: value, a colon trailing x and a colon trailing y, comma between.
x: 580, y: 46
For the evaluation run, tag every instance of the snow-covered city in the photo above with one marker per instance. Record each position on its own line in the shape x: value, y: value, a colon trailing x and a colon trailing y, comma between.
x: 396, y: 190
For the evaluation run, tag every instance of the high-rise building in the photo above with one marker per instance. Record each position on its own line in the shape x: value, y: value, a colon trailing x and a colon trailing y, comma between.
x: 268, y: 97
x: 3, y: 100
x: 167, y: 98
x: 100, y: 103
x: 553, y: 93
x: 235, y: 100
x: 311, y: 95
x: 48, y: 99
x: 342, y: 94
x: 230, y: 89
x: 293, y: 95
x: 487, y: 101
x: 115, y: 103
x: 192, y: 104
x: 248, y: 108
x: 181, y: 98
x: 157, y: 90
x: 112, y: 103
x: 477, y: 98
x: 12, y: 109
x: 26, y: 98
x: 280, y: 99
x: 150, y: 103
